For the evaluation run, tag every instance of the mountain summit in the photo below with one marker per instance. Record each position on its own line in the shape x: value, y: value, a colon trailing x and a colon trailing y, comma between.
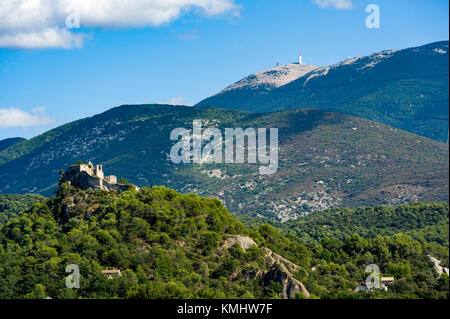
x: 272, y: 78
x: 407, y: 89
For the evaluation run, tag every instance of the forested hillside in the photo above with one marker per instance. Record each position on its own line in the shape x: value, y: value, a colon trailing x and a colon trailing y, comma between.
x: 12, y: 204
x: 423, y: 221
x: 169, y: 245
x: 4, y: 144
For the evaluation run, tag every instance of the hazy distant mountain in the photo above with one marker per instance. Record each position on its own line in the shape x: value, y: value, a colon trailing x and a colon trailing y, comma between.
x: 9, y: 142
x: 407, y: 89
x: 326, y: 159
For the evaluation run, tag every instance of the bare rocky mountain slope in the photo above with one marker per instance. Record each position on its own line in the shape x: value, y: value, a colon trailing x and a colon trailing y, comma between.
x: 326, y: 159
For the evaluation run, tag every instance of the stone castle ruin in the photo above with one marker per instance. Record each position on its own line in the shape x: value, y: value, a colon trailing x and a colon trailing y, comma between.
x: 89, y: 176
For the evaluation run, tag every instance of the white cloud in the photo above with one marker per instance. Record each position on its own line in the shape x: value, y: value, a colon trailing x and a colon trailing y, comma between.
x: 41, y: 23
x: 46, y: 38
x: 14, y: 117
x: 337, y: 4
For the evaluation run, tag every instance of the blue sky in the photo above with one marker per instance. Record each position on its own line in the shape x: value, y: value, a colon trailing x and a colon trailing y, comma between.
x: 191, y: 55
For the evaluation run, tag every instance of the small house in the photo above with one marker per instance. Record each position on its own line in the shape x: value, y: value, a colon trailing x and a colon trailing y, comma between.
x: 111, y: 273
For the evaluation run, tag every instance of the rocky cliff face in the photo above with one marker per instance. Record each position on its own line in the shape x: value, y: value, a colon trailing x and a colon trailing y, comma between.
x: 281, y: 272
x: 279, y: 268
x: 437, y: 266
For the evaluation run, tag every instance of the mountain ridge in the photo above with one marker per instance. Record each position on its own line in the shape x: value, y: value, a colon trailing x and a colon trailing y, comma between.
x: 7, y: 142
x: 407, y: 89
x: 326, y: 159
x: 272, y: 78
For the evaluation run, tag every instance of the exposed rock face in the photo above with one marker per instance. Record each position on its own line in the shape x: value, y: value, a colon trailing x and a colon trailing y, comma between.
x: 272, y: 78
x: 244, y: 242
x: 437, y: 266
x: 279, y: 268
x: 281, y: 273
x: 291, y: 286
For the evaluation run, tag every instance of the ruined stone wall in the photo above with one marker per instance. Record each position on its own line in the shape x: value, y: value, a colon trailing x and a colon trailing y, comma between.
x: 78, y: 177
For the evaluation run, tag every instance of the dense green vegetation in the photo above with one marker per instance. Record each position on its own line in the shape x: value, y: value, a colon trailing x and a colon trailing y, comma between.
x: 406, y: 89
x: 423, y: 221
x: 4, y: 144
x: 169, y: 245
x: 325, y: 159
x: 18, y: 149
x: 12, y: 204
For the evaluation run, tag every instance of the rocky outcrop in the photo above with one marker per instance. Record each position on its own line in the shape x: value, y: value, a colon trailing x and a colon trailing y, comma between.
x: 280, y: 269
x: 437, y: 266
x: 274, y: 258
x: 243, y: 241
x: 281, y: 272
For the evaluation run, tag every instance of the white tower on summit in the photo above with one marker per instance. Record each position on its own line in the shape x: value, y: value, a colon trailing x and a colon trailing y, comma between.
x: 300, y: 61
